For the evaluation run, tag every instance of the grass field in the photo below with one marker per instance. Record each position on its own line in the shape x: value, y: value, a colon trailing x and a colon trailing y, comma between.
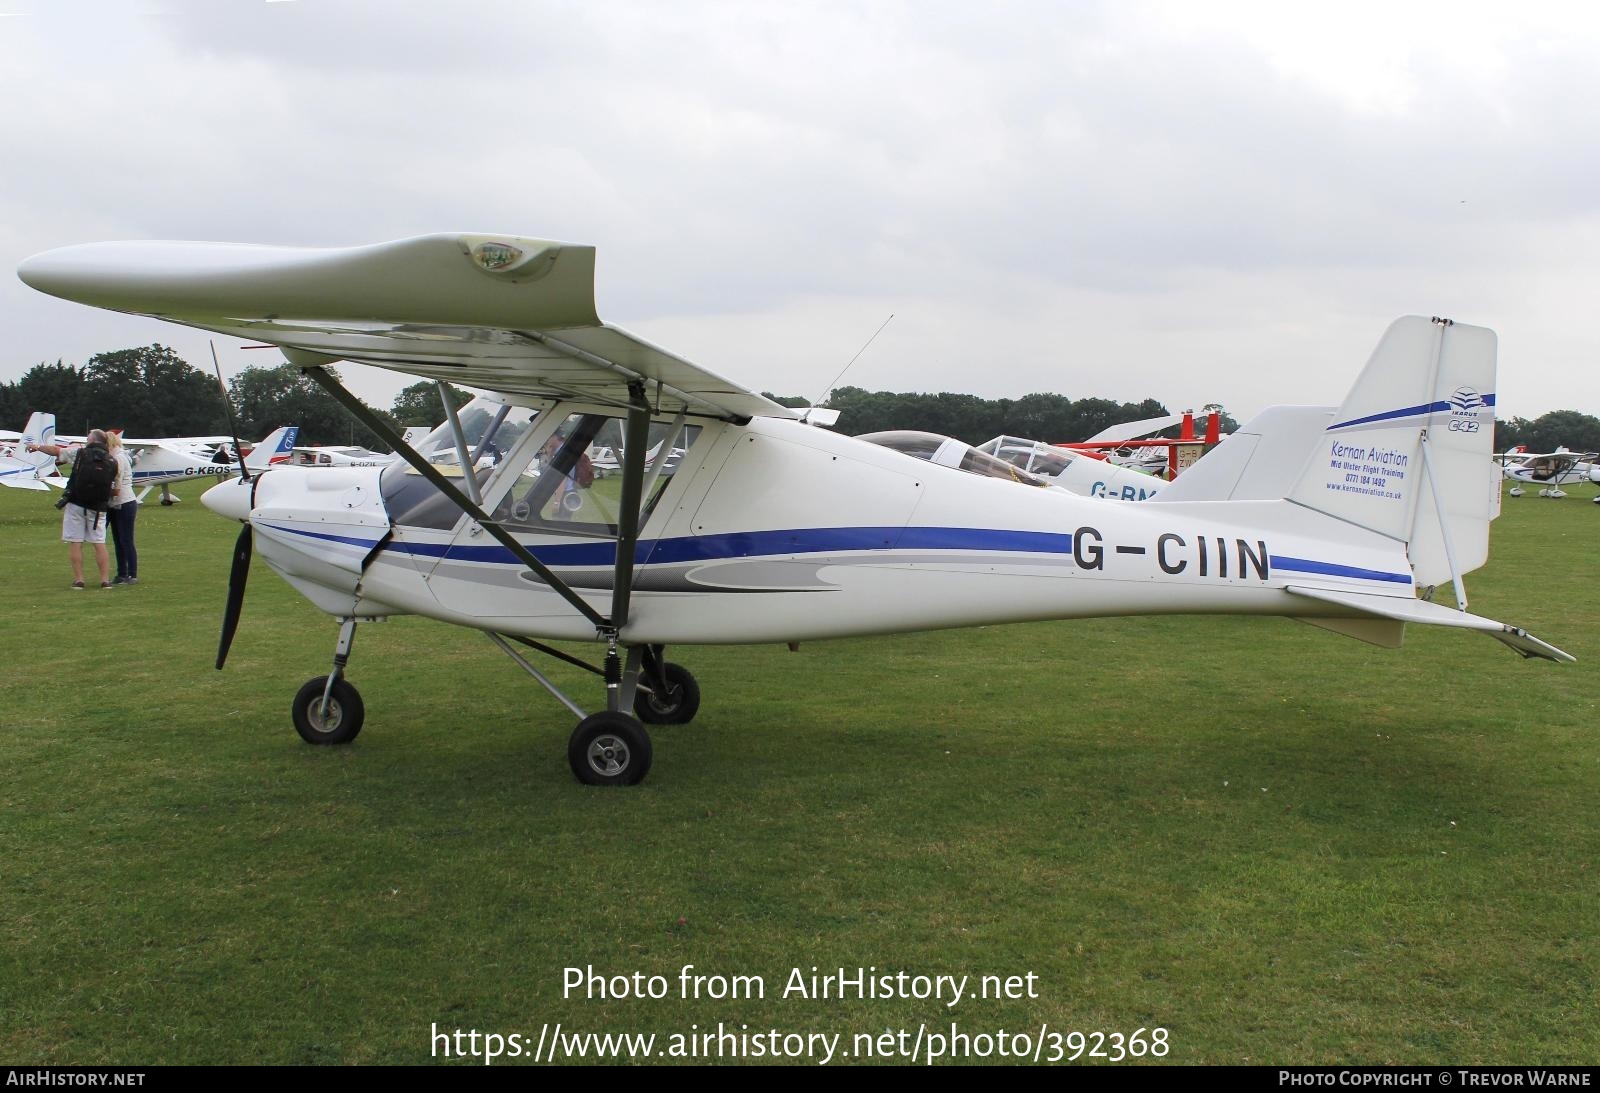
x: 1278, y: 844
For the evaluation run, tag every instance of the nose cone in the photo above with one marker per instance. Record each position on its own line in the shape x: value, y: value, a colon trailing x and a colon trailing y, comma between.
x: 230, y: 498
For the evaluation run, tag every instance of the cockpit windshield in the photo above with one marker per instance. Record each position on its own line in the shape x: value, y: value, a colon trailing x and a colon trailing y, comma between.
x: 1034, y: 456
x: 491, y: 430
x: 949, y: 452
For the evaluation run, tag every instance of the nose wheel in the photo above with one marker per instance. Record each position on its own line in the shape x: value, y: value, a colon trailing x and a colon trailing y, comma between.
x: 328, y: 709
x: 324, y: 715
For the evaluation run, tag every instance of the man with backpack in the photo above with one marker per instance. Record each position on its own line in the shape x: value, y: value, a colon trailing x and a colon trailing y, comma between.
x: 84, y: 502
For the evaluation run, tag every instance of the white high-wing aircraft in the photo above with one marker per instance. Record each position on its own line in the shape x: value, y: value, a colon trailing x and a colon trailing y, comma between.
x: 185, y: 459
x: 166, y: 460
x: 1550, y: 471
x: 766, y: 529
x: 351, y: 455
x: 339, y: 456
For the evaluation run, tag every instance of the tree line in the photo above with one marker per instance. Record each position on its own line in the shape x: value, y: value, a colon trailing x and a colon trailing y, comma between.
x: 1041, y: 416
x: 150, y: 391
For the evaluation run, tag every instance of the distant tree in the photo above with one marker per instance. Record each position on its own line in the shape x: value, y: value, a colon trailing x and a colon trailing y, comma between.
x: 52, y: 388
x: 265, y: 398
x: 151, y: 391
x: 1558, y: 428
x: 1040, y: 416
x: 419, y: 404
x: 12, y: 408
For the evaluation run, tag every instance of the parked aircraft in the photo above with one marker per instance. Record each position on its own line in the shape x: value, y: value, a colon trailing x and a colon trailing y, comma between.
x: 1079, y: 472
x: 340, y: 456
x: 1550, y: 471
x: 163, y: 462
x: 770, y: 529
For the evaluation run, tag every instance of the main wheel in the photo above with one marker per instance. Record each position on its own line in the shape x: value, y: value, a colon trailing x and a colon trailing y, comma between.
x: 339, y: 723
x: 677, y: 707
x: 609, y: 749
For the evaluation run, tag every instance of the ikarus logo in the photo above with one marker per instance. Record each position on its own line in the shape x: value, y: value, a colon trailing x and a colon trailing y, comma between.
x: 1466, y: 404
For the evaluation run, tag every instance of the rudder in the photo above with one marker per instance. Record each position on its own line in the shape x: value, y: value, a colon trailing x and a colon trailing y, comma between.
x: 1408, y: 454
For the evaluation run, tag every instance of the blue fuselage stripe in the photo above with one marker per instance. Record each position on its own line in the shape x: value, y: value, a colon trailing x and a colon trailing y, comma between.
x: 755, y: 544
x: 1331, y: 569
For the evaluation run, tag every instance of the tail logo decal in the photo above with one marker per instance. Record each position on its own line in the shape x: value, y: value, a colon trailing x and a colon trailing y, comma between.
x: 1466, y: 407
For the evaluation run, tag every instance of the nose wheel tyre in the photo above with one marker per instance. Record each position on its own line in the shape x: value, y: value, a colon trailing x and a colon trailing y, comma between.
x: 338, y: 723
x: 677, y: 706
x: 609, y: 749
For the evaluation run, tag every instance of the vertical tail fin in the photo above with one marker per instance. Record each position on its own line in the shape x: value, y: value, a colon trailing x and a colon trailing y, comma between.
x: 277, y: 448
x: 1409, y: 453
x: 27, y: 470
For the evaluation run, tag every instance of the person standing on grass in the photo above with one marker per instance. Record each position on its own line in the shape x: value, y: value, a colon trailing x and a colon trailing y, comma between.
x: 124, y: 510
x: 83, y: 504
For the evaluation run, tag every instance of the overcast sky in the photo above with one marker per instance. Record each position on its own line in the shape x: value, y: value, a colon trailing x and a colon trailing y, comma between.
x: 1195, y: 202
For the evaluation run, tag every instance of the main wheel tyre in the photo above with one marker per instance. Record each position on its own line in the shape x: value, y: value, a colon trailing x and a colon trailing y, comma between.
x: 677, y: 707
x: 339, y: 723
x: 609, y: 749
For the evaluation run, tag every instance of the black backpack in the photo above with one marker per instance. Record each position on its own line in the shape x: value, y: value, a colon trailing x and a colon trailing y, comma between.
x: 93, y: 473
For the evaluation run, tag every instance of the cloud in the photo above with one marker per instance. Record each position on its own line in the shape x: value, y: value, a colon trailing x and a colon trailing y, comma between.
x: 1191, y: 203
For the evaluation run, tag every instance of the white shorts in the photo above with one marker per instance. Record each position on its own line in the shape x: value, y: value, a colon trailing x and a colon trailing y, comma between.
x: 79, y: 525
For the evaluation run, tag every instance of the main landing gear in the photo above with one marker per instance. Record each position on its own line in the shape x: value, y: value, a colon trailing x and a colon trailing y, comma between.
x: 608, y: 748
x: 612, y: 748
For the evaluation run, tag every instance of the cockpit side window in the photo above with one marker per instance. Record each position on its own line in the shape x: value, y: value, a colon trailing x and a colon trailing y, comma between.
x: 574, y: 484
x: 949, y: 452
x: 491, y: 429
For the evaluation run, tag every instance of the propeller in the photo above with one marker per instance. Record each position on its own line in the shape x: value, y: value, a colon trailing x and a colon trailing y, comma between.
x: 244, y: 546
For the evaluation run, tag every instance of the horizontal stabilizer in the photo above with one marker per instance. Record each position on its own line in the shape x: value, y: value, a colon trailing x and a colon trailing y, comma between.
x: 20, y: 477
x: 1404, y: 609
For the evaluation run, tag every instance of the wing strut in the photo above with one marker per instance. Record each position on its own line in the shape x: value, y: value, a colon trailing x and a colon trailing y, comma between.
x: 636, y: 441
x: 361, y: 413
x: 468, y: 479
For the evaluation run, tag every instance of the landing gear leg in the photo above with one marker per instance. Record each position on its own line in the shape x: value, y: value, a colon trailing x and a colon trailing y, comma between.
x: 328, y: 710
x: 612, y: 748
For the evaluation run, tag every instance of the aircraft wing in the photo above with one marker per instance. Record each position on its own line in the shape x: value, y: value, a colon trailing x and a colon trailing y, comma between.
x: 1133, y: 430
x: 176, y: 444
x: 501, y: 313
x: 1409, y: 609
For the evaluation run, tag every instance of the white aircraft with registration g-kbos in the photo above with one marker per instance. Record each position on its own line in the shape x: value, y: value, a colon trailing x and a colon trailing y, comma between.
x: 156, y: 463
x: 766, y: 528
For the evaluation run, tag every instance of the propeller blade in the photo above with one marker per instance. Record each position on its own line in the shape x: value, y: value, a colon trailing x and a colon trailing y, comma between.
x: 243, y: 547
